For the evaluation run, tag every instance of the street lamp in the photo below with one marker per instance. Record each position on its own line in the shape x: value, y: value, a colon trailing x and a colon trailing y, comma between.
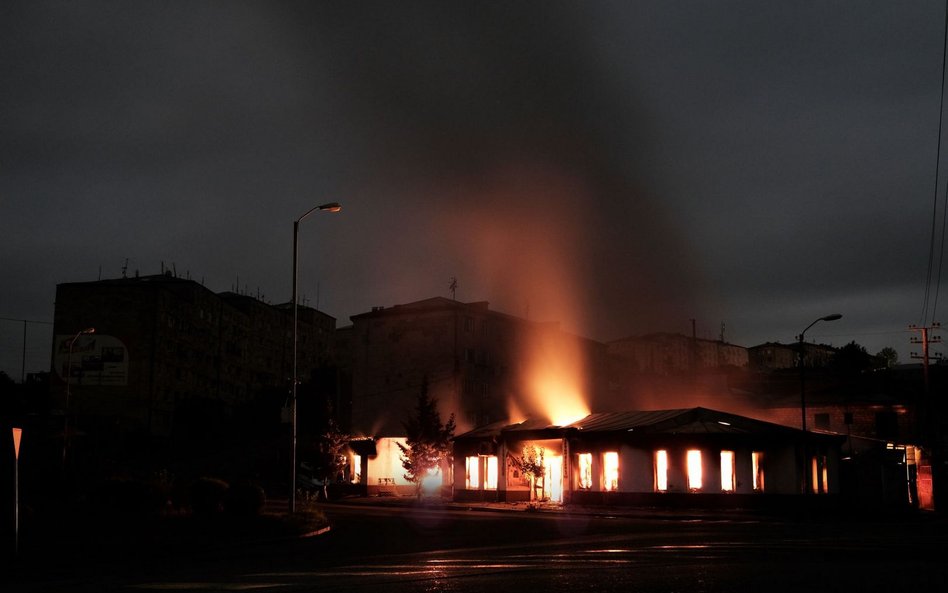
x: 72, y: 342
x: 832, y: 317
x: 330, y: 207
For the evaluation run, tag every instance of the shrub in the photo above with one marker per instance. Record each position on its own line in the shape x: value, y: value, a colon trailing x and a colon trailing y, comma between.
x: 245, y: 499
x: 208, y: 496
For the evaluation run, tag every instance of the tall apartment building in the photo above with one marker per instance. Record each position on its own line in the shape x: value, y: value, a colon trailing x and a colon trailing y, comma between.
x: 476, y: 362
x: 164, y: 347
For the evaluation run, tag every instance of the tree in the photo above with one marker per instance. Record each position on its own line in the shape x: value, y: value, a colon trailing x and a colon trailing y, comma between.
x: 428, y: 441
x: 530, y: 464
x: 852, y: 358
x: 889, y: 356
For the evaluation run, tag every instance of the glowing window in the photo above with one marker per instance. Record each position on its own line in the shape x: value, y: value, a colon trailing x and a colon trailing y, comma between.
x: 356, y: 469
x: 661, y: 470
x: 820, y: 475
x: 815, y: 474
x: 694, y: 469
x: 727, y: 471
x: 757, y: 459
x: 472, y: 474
x: 585, y: 471
x: 490, y: 480
x: 610, y: 470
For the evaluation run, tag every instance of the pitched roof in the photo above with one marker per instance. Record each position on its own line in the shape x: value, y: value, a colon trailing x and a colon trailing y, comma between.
x: 683, y: 421
x: 676, y: 421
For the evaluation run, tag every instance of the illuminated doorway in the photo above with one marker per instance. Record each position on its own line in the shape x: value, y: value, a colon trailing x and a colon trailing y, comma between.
x: 553, y: 479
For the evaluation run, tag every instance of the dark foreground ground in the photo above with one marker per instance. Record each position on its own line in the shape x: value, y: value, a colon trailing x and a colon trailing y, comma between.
x: 396, y: 545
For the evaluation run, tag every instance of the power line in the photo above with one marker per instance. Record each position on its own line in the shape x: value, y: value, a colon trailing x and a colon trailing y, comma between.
x: 931, y: 244
x: 25, y: 320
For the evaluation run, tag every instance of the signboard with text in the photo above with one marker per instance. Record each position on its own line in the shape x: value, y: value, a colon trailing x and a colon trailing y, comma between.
x: 96, y: 359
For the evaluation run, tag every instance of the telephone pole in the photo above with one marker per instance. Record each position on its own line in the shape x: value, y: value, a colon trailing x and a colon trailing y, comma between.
x: 928, y: 416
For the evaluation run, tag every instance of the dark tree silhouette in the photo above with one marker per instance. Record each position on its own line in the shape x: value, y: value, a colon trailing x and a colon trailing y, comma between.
x: 853, y: 358
x: 889, y: 356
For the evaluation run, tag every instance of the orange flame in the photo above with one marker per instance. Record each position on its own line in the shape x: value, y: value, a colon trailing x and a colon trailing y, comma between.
x: 555, y: 378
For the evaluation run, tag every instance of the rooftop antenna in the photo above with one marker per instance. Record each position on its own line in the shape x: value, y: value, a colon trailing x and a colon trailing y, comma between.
x: 453, y: 287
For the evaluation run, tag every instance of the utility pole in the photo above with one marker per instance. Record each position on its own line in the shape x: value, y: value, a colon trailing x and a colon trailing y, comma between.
x: 925, y: 340
x: 928, y: 412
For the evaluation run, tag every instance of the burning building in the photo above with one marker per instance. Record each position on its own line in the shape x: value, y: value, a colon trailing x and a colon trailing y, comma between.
x: 695, y: 457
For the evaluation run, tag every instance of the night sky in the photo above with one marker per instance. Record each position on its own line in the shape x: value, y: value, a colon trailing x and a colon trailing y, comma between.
x: 620, y: 167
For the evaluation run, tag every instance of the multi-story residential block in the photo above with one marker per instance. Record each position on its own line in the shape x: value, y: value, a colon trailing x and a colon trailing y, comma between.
x: 774, y: 356
x: 166, y: 348
x: 673, y: 354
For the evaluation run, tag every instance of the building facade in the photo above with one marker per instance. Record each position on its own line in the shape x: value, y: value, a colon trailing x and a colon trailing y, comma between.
x: 164, y: 347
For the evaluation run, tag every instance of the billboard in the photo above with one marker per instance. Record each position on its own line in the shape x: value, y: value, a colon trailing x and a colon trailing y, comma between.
x: 95, y: 359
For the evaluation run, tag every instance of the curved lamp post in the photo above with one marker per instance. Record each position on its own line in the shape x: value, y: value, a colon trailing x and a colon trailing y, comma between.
x: 832, y: 317
x: 330, y: 207
x: 72, y: 342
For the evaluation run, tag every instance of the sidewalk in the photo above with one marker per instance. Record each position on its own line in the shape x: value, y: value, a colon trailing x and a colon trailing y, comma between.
x: 551, y: 508
x: 650, y: 513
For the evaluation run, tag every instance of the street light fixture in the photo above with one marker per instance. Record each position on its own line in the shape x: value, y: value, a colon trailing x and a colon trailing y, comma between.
x: 330, y: 207
x: 832, y: 317
x: 72, y: 342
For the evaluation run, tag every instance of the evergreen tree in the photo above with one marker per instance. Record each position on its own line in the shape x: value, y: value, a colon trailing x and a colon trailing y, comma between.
x: 428, y: 441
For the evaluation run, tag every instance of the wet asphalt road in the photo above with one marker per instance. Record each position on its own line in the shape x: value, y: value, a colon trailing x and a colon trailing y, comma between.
x: 412, y: 549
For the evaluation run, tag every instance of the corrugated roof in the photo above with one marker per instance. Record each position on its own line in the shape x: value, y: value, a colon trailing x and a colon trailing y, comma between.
x: 617, y: 421
x: 683, y: 421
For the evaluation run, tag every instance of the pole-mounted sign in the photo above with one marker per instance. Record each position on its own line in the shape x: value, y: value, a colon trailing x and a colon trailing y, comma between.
x: 17, y: 435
